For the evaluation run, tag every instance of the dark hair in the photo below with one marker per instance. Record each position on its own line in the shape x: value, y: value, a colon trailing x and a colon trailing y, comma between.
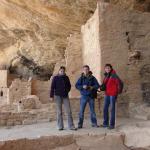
x: 109, y: 65
x: 86, y: 66
x: 62, y: 67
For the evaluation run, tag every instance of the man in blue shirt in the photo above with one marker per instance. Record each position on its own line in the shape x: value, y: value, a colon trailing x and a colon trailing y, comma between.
x: 88, y: 85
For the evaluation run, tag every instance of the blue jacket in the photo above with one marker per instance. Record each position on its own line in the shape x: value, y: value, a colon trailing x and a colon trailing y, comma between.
x: 89, y: 81
x: 60, y: 86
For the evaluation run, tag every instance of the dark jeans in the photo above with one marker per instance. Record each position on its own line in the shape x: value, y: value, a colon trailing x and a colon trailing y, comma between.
x: 83, y: 101
x: 109, y: 101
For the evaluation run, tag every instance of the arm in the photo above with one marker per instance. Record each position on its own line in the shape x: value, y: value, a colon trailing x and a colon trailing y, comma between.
x: 96, y: 84
x: 68, y: 84
x: 52, y: 88
x: 119, y: 85
x: 79, y: 84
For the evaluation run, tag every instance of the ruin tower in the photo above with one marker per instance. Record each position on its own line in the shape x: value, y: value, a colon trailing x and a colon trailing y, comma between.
x: 4, y: 90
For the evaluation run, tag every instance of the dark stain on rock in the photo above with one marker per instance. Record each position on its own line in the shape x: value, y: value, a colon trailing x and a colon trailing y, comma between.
x: 145, y: 85
x: 32, y: 69
x: 145, y: 71
x: 146, y: 92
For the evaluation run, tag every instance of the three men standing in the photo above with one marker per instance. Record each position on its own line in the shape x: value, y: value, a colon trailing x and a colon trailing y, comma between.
x: 88, y: 86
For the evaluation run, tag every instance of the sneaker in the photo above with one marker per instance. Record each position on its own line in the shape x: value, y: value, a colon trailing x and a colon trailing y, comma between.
x: 95, y: 126
x: 79, y: 127
x: 60, y: 129
x: 104, y: 126
x: 111, y: 127
x: 73, y: 128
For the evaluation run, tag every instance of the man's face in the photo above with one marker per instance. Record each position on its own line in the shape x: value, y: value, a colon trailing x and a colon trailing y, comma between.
x: 86, y: 70
x: 61, y: 72
x: 107, y: 69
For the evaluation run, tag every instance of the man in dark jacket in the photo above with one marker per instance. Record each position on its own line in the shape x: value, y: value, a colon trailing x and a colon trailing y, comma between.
x: 87, y: 85
x: 60, y: 88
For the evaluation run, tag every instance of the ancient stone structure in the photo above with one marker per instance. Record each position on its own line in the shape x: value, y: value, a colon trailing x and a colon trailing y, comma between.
x: 140, y: 5
x: 18, y: 90
x: 74, y: 61
x: 37, y: 37
x: 41, y: 89
x: 4, y: 91
x: 122, y: 41
x: 119, y: 36
x: 132, y: 135
x: 34, y: 33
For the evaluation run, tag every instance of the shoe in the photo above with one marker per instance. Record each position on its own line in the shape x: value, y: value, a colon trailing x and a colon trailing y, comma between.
x: 111, y: 127
x: 79, y: 127
x: 95, y: 126
x: 104, y: 126
x: 73, y: 128
x: 60, y: 129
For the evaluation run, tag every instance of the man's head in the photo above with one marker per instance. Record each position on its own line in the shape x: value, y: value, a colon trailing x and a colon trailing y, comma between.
x: 86, y: 69
x: 108, y: 68
x: 62, y: 70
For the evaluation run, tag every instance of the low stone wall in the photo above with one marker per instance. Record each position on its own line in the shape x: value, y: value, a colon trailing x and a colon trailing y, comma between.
x: 18, y: 90
x: 67, y: 142
x: 47, y: 112
x: 41, y: 89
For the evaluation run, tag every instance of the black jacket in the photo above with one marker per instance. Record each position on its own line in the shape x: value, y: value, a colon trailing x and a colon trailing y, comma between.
x: 60, y: 86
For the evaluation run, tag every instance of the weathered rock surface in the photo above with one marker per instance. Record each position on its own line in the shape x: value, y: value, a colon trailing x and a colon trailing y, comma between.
x: 132, y: 136
x: 30, y: 102
x: 140, y: 5
x: 121, y: 37
x: 33, y: 34
x: 74, y: 61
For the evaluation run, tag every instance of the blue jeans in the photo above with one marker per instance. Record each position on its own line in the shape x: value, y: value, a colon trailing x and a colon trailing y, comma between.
x: 109, y: 100
x: 83, y: 101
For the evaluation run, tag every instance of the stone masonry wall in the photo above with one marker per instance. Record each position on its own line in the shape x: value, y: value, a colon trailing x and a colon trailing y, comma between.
x: 123, y: 42
x: 18, y: 90
x: 74, y: 61
x: 41, y: 89
x: 3, y: 80
x: 90, y: 44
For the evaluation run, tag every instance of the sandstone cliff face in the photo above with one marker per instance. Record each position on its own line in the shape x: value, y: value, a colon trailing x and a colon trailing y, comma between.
x: 33, y: 34
x: 140, y: 5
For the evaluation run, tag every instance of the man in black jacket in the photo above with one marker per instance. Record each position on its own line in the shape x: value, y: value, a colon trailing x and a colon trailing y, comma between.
x: 60, y: 88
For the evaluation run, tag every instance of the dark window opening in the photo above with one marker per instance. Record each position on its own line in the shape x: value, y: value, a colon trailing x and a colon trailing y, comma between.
x: 1, y: 93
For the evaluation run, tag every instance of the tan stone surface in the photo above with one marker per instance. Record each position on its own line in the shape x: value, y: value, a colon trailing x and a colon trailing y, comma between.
x: 30, y: 102
x: 74, y: 61
x: 90, y: 44
x: 140, y: 5
x: 122, y: 40
x: 3, y: 78
x: 4, y: 96
x: 45, y: 136
x: 37, y: 37
x: 18, y: 90
x: 31, y: 110
x: 34, y: 33
x: 41, y: 89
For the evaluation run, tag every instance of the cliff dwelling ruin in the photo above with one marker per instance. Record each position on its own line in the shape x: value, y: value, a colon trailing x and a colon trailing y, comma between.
x: 37, y: 37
